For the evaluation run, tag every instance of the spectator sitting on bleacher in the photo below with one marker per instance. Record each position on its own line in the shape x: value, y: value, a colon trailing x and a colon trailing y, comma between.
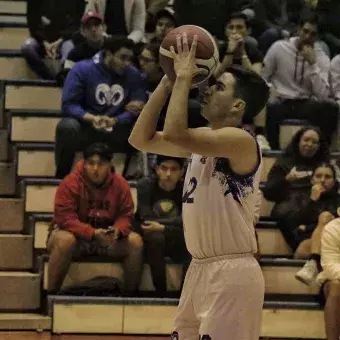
x: 122, y: 17
x: 101, y: 99
x: 330, y: 278
x: 238, y: 50
x: 51, y: 24
x: 165, y: 22
x: 149, y: 65
x: 211, y: 15
x: 87, y: 43
x: 275, y: 20
x: 334, y: 77
x: 152, y: 8
x: 298, y: 71
x: 305, y: 217
x: 328, y: 12
x: 292, y: 171
x: 159, y: 218
x: 92, y: 217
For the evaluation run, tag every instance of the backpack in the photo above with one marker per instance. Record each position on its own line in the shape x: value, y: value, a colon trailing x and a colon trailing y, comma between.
x: 103, y: 286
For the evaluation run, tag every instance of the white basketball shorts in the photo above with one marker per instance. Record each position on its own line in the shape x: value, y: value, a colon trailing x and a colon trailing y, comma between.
x: 222, y: 299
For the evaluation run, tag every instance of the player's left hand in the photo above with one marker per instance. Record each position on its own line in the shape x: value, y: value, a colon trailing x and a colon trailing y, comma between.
x: 185, y: 58
x: 149, y: 226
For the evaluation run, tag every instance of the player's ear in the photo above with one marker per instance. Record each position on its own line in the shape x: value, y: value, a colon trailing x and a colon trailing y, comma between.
x: 239, y: 105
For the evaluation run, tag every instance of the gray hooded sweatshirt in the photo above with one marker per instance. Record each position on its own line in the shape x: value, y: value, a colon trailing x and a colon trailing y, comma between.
x: 292, y: 76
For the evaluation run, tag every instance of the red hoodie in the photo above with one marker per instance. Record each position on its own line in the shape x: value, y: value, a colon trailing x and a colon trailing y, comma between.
x: 80, y: 207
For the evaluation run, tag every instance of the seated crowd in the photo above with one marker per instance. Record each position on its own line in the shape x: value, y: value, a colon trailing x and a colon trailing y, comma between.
x: 109, y: 65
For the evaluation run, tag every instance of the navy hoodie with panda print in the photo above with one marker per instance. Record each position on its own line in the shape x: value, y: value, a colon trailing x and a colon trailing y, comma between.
x: 90, y: 87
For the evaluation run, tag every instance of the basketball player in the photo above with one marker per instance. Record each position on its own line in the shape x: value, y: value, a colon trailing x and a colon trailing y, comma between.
x: 223, y: 293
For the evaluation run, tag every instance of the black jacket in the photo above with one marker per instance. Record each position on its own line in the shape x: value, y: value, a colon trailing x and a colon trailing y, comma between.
x: 53, y: 19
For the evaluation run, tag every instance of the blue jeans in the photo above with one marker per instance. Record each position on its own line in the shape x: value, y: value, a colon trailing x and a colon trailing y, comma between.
x: 34, y: 52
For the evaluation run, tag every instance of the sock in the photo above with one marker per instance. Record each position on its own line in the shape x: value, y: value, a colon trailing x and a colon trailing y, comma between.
x: 317, y: 259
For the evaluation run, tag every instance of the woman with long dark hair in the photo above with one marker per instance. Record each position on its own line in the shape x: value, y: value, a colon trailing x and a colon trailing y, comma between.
x: 292, y: 171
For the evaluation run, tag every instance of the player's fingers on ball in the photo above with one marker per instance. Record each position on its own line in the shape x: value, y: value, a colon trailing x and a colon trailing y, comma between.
x: 185, y: 42
x: 194, y: 46
x: 179, y: 43
x: 172, y: 50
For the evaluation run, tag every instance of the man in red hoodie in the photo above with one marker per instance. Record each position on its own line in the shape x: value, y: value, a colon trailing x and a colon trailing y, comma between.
x: 92, y: 216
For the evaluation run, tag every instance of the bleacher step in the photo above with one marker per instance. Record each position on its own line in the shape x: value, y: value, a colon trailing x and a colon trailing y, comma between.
x: 12, y: 214
x: 7, y: 178
x: 19, y: 291
x: 280, y: 319
x: 16, y: 252
x: 24, y: 321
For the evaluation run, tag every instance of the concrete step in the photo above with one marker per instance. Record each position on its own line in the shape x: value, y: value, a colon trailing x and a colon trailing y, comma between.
x: 16, y: 252
x: 7, y: 178
x: 24, y: 321
x: 19, y: 291
x: 12, y: 214
x: 280, y: 319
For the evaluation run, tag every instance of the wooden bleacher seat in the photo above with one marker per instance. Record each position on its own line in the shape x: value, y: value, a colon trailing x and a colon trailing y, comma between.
x: 13, y: 7
x: 12, y: 35
x: 29, y: 153
x: 14, y: 66
x: 280, y: 318
x: 271, y: 240
x: 278, y: 275
x: 35, y: 189
x: 13, y: 298
x: 31, y: 95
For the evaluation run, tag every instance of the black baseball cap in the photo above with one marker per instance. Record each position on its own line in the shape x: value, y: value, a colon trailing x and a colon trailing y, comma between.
x: 100, y: 149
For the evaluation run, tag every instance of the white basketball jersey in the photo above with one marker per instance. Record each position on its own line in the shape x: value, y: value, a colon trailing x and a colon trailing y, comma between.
x: 218, y: 208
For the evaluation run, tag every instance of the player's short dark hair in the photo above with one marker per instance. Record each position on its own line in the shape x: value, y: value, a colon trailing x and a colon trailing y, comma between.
x: 310, y: 18
x: 114, y: 43
x: 161, y: 158
x: 100, y: 149
x: 251, y: 88
x: 237, y: 16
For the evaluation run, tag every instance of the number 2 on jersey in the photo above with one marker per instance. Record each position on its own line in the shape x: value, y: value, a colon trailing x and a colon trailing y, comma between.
x: 188, y: 195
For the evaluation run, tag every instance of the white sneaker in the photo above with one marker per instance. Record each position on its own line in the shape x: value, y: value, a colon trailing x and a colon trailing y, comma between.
x: 264, y: 144
x: 308, y: 273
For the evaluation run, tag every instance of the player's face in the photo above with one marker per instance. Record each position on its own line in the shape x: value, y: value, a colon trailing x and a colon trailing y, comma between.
x: 120, y: 60
x: 163, y: 27
x: 93, y: 31
x: 169, y: 173
x: 309, y: 143
x: 219, y: 102
x: 325, y: 177
x: 236, y: 26
x: 97, y: 170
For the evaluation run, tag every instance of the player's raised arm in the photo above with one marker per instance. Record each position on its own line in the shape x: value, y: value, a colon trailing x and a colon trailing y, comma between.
x: 237, y: 92
x: 144, y: 136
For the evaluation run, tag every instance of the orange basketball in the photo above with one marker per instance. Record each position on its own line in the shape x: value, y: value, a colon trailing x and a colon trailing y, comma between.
x: 207, y: 56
